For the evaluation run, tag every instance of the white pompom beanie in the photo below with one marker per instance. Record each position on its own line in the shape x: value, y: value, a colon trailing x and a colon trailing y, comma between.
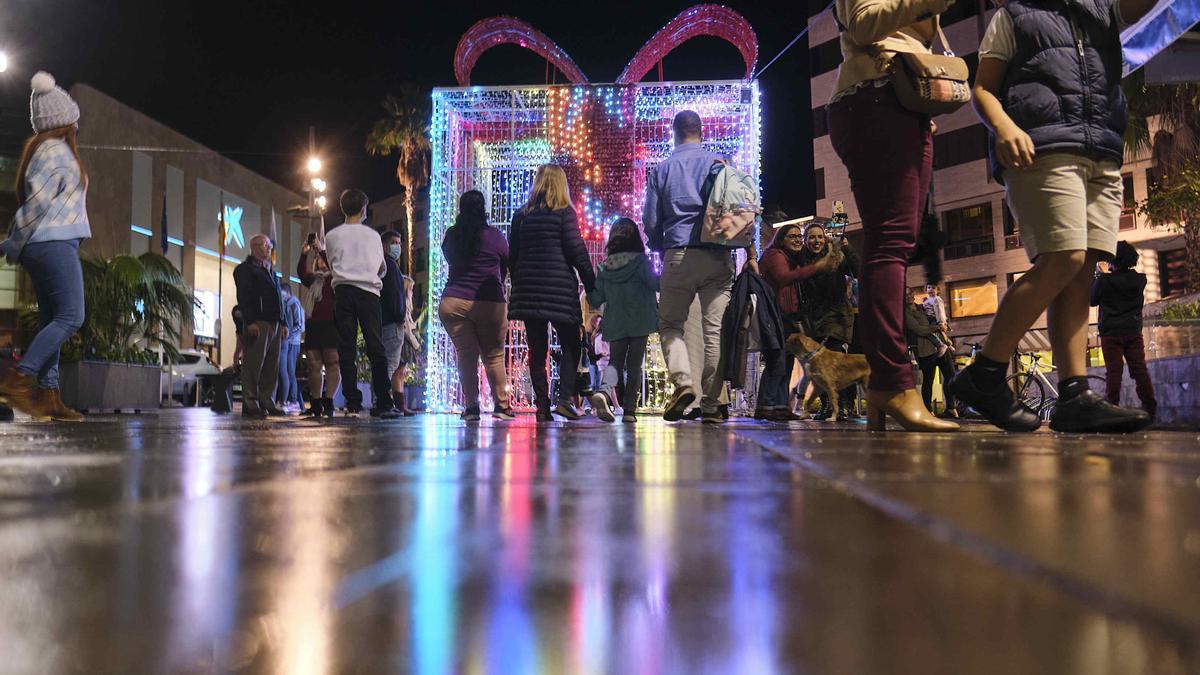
x: 50, y: 106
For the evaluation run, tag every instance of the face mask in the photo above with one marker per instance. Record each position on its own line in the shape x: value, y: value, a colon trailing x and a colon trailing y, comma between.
x: 394, y: 251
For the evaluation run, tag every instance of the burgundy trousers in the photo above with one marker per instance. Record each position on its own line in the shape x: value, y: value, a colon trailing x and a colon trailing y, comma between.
x: 1121, y: 349
x: 888, y: 152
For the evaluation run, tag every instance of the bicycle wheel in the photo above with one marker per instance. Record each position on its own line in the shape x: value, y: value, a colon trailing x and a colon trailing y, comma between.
x: 1029, y: 390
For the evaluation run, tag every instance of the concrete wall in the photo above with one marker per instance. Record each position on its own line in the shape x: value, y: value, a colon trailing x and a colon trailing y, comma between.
x: 1176, y: 386
x: 130, y: 157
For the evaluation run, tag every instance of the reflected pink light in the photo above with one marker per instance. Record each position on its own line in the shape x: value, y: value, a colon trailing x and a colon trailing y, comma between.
x: 508, y: 30
x: 713, y: 20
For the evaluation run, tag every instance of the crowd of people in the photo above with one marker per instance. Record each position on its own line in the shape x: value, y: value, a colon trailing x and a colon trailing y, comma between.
x: 1047, y: 88
x: 351, y: 284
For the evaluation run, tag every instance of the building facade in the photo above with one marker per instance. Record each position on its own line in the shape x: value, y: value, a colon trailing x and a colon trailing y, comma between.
x: 150, y: 186
x: 984, y: 254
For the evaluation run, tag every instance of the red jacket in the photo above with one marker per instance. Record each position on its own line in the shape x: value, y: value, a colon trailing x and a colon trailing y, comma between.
x: 323, y: 309
x: 785, y: 277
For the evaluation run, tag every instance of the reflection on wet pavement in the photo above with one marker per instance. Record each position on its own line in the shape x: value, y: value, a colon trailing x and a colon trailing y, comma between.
x: 187, y: 543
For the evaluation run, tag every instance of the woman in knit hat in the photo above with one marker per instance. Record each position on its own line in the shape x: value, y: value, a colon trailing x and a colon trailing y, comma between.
x: 44, y: 238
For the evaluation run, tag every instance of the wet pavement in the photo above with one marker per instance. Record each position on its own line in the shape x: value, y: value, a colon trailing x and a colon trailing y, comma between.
x: 182, y: 542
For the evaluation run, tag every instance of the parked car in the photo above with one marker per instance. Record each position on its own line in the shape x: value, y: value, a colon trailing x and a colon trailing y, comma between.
x: 181, y: 379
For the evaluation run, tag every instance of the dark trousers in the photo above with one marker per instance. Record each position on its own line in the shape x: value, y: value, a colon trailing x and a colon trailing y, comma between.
x: 260, y: 364
x: 355, y: 309
x: 1132, y: 350
x: 929, y: 365
x: 625, y: 357
x: 890, y: 193
x: 538, y: 336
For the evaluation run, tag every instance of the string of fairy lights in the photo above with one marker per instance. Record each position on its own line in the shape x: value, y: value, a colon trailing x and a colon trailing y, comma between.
x: 606, y: 138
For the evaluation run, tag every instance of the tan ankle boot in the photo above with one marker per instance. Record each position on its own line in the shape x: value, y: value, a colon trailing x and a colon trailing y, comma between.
x: 60, y: 412
x: 906, y: 408
x: 17, y: 390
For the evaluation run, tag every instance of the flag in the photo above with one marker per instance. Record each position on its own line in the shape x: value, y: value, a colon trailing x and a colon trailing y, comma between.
x: 221, y: 226
x: 274, y: 238
x: 163, y: 225
x: 1157, y: 30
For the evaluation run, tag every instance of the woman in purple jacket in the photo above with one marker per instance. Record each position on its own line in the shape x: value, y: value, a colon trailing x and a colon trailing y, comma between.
x: 473, y: 308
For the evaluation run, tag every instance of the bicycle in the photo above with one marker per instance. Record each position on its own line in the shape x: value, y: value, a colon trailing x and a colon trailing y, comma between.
x: 1031, y: 385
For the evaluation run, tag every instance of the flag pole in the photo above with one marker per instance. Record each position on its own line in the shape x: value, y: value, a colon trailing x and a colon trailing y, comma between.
x: 220, y: 276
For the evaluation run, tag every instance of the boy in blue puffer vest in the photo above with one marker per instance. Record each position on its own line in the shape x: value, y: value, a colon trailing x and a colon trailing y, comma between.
x: 1049, y: 89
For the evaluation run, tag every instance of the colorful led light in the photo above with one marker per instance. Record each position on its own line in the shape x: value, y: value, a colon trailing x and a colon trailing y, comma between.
x: 606, y: 137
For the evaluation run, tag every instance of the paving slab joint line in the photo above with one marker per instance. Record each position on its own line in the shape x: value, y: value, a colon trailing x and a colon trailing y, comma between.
x: 1110, y: 603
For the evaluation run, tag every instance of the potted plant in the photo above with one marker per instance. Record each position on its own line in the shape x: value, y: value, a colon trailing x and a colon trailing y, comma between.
x: 134, y: 308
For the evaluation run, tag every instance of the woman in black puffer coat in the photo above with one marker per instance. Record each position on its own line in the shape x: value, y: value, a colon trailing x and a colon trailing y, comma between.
x: 548, y: 261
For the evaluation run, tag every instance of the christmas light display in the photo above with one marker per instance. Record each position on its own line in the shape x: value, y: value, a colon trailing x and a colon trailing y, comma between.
x: 606, y: 137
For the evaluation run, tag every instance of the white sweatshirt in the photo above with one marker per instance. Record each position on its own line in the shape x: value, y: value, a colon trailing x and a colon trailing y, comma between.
x: 356, y: 257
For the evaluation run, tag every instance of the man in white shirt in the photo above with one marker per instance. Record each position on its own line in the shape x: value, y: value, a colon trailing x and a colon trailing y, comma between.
x: 357, y: 265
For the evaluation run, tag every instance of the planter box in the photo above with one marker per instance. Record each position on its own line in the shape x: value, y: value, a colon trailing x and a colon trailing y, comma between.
x: 98, y: 386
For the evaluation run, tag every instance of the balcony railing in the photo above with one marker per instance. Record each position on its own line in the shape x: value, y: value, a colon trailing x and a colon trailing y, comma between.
x: 1012, y: 242
x: 969, y: 248
x: 1128, y: 221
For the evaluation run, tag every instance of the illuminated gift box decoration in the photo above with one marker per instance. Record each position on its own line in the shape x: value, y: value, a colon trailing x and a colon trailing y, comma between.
x: 605, y: 136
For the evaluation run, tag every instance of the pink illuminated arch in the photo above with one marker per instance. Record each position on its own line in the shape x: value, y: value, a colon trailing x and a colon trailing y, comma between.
x: 507, y: 30
x: 713, y: 20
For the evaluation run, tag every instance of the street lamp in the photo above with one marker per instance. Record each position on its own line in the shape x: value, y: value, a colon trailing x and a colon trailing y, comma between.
x: 314, y: 164
x: 3, y: 62
x: 321, y: 202
x: 319, y: 184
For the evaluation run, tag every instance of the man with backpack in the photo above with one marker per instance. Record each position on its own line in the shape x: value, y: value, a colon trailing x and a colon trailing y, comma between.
x: 674, y: 217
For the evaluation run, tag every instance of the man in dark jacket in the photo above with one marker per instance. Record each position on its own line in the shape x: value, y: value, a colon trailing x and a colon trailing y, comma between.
x: 261, y: 304
x: 1120, y: 296
x: 827, y: 310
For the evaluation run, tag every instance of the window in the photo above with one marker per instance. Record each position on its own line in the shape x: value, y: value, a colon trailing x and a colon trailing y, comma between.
x: 969, y: 231
x: 1151, y: 180
x: 960, y: 146
x: 1128, y: 211
x: 974, y: 297
x: 1012, y: 231
x: 820, y: 121
x: 819, y: 183
x: 825, y: 57
x: 1172, y: 272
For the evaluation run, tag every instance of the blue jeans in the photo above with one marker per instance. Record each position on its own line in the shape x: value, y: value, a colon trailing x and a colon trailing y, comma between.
x: 288, y: 390
x: 58, y: 282
x: 773, y: 386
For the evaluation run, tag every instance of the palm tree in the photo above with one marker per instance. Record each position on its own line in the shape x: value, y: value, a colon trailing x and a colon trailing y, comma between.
x: 404, y: 128
x: 1174, y: 146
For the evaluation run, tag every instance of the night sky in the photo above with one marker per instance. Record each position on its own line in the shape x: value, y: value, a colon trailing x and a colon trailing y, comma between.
x: 248, y: 78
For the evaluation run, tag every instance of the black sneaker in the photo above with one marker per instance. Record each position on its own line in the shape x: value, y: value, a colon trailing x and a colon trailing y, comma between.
x: 680, y: 400
x: 504, y: 414
x: 692, y: 415
x: 6, y: 414
x: 543, y: 415
x: 1090, y: 413
x: 567, y: 411
x: 1000, y: 407
x: 629, y: 418
x: 470, y: 414
x: 602, y: 407
x: 714, y: 417
x: 254, y: 412
x: 385, y: 413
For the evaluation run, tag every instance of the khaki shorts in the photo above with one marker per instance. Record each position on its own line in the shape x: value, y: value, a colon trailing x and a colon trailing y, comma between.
x: 1066, y: 202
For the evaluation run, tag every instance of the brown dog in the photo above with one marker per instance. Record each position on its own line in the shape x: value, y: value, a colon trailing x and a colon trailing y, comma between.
x: 830, y: 371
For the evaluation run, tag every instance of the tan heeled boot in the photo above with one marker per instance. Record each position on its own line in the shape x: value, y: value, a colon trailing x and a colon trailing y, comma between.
x: 906, y: 407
